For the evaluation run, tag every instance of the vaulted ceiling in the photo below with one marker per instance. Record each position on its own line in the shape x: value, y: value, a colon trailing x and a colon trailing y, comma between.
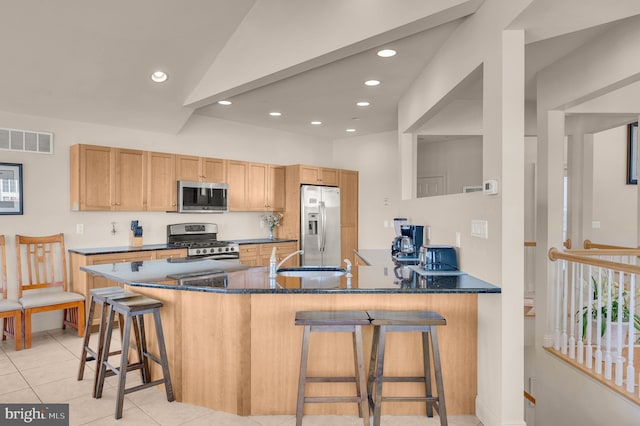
x: 90, y: 61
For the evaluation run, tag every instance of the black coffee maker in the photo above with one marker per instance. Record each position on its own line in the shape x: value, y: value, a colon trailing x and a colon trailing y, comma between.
x: 406, y: 246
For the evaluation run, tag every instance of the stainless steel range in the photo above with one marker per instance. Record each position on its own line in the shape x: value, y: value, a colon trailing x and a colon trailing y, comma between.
x: 201, y: 240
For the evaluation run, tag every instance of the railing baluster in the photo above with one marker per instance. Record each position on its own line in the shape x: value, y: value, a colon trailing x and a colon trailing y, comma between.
x: 631, y: 374
x: 589, y: 309
x: 619, y: 359
x: 572, y: 312
x: 607, y: 354
x: 599, y: 325
x: 565, y: 289
x: 580, y: 349
x: 556, y: 334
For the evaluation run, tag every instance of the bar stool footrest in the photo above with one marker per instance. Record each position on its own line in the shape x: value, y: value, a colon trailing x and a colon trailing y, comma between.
x: 431, y: 399
x: 403, y: 379
x: 320, y: 399
x: 144, y: 386
x: 317, y: 379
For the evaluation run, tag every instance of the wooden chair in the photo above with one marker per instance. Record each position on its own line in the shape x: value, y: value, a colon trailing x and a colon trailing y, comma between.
x: 44, y: 286
x: 10, y: 310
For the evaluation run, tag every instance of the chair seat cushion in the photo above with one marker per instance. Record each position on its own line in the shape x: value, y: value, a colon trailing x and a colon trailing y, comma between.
x: 10, y: 305
x: 36, y: 300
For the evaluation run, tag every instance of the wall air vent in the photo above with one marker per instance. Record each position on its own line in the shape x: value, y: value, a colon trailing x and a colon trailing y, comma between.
x: 26, y: 141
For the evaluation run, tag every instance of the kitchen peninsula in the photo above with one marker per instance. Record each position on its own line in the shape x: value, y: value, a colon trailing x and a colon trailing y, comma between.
x: 233, y: 346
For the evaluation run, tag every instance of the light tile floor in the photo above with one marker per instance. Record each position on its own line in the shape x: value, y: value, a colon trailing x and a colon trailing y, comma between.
x: 46, y: 373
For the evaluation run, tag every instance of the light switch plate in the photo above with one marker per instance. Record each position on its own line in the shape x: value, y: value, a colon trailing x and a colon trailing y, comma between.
x: 480, y: 228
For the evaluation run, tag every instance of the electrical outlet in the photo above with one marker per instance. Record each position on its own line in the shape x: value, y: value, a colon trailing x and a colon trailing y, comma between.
x: 458, y: 239
x: 79, y: 228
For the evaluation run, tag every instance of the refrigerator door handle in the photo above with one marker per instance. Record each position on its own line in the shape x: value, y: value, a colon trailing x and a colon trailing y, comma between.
x: 323, y: 225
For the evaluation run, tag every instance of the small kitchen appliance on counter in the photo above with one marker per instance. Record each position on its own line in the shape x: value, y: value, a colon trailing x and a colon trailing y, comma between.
x: 406, y: 246
x: 201, y: 241
x: 438, y: 258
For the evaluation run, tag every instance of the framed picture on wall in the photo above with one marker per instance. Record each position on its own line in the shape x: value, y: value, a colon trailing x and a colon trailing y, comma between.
x: 10, y: 188
x: 632, y: 154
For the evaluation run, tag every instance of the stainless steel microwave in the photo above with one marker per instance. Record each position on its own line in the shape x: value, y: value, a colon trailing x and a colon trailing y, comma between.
x: 202, y: 197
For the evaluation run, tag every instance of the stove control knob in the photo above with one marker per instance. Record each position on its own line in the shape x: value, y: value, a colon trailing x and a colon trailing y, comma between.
x: 198, y: 251
x: 204, y: 251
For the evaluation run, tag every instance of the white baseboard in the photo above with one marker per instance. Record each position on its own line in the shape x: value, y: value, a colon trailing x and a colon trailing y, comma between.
x: 489, y: 418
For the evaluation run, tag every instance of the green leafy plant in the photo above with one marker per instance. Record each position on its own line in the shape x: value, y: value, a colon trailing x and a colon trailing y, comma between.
x: 615, y: 307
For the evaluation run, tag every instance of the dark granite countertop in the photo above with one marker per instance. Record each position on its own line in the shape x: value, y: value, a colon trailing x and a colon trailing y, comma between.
x: 261, y: 241
x: 382, y: 276
x: 122, y: 249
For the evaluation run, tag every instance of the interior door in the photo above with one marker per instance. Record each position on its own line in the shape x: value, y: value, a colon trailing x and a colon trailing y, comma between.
x: 428, y: 186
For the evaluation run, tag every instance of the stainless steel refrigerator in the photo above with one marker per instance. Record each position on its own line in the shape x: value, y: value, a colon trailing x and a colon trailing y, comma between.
x: 320, y: 225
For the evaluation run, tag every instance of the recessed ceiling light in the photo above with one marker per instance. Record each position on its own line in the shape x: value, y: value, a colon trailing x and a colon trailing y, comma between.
x: 275, y: 114
x: 350, y: 130
x: 224, y: 102
x: 386, y: 53
x: 316, y: 123
x: 159, y: 76
x: 363, y: 103
x: 372, y: 82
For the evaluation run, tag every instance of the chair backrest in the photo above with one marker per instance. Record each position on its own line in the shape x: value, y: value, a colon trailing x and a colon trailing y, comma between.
x: 44, y: 260
x: 3, y: 265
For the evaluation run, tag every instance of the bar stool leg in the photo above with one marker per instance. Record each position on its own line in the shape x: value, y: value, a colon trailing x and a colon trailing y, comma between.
x: 163, y: 356
x: 85, y: 340
x: 361, y: 384
x: 377, y: 404
x: 106, y: 342
x: 302, y: 377
x: 372, y: 365
x: 124, y: 362
x: 141, y: 347
x: 442, y: 409
x: 427, y: 371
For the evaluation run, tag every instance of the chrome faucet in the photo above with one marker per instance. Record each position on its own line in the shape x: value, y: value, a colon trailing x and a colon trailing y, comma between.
x: 289, y: 257
x: 273, y: 267
x: 348, y: 263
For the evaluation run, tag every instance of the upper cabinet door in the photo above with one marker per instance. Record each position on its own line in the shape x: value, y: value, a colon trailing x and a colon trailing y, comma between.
x: 91, y: 177
x: 276, y: 188
x: 161, y: 181
x: 213, y: 169
x: 319, y: 176
x: 187, y: 168
x: 237, y: 180
x: 258, y: 178
x: 130, y: 180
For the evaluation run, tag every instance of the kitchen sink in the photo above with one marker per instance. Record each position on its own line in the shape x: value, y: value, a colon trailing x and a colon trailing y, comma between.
x: 316, y: 272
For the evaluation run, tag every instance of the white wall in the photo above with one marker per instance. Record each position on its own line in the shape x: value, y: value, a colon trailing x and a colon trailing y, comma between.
x: 377, y: 160
x: 565, y: 396
x: 614, y: 202
x: 46, y: 181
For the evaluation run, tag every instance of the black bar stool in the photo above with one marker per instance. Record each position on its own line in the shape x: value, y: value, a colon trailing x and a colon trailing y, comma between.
x: 333, y: 321
x: 424, y: 322
x: 98, y: 296
x: 133, y: 310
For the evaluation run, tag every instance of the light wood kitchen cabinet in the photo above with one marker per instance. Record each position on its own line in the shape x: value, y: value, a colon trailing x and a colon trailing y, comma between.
x: 83, y: 283
x: 266, y: 187
x: 200, y: 169
x: 161, y: 190
x: 90, y: 177
x: 105, y: 178
x: 319, y: 175
x: 237, y: 172
x: 260, y: 254
x: 348, y: 214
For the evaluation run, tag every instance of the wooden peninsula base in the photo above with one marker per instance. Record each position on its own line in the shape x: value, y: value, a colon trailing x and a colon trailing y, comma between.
x: 240, y: 353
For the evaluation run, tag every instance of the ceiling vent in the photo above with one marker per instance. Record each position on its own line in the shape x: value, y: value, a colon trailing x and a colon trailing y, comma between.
x: 26, y: 141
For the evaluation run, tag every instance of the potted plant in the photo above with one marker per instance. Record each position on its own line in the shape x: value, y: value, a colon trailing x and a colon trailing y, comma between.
x: 272, y: 220
x: 616, y: 310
